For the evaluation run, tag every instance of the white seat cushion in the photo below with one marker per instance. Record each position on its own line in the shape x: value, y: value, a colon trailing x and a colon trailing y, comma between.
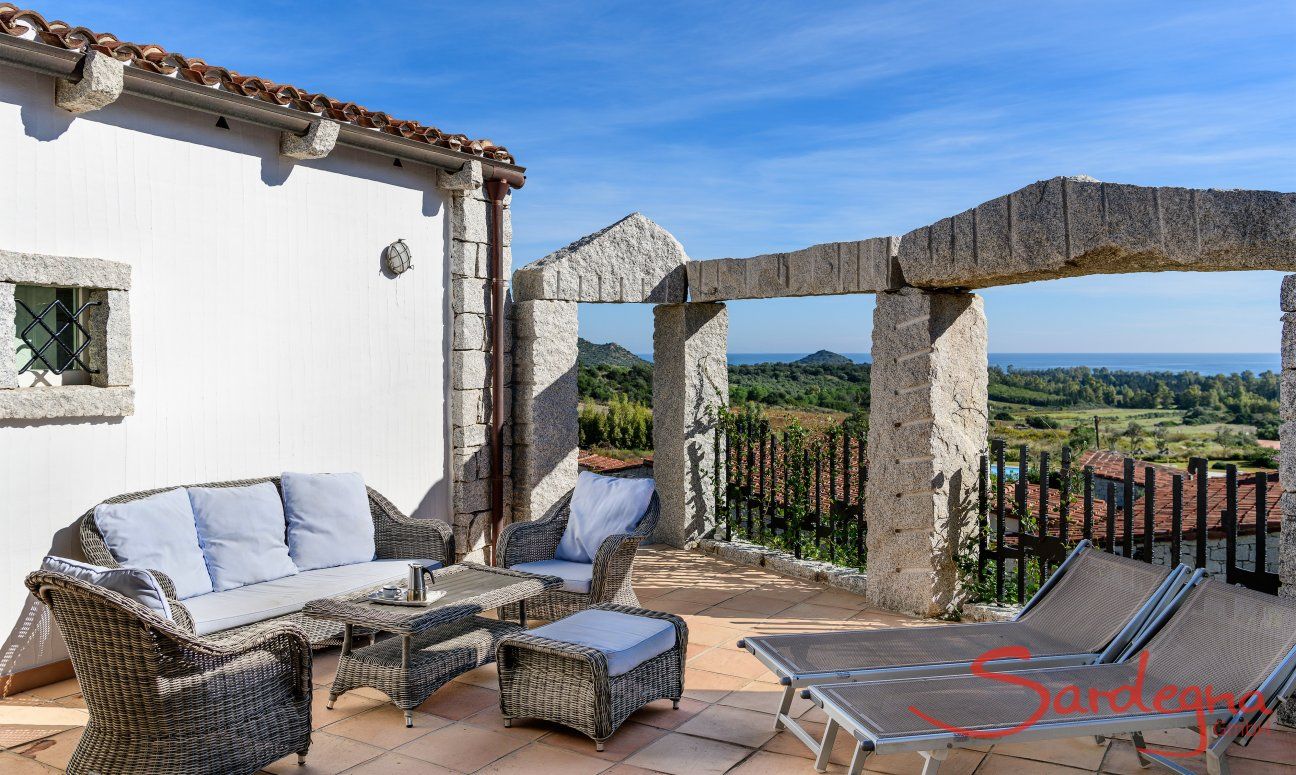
x: 627, y: 640
x: 257, y: 602
x: 576, y: 576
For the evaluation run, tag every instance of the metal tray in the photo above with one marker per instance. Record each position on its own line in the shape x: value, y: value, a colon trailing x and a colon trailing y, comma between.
x: 381, y: 599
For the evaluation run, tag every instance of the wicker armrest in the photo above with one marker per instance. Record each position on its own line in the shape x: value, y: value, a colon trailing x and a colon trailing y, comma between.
x: 681, y: 627
x: 596, y: 659
x: 612, y: 563
x: 275, y: 637
x: 398, y: 537
x: 533, y: 541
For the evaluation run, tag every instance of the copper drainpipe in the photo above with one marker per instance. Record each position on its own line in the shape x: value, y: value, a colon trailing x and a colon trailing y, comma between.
x: 496, y: 189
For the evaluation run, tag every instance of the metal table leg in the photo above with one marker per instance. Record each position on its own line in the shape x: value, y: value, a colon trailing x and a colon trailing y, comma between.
x: 405, y: 664
x: 347, y: 633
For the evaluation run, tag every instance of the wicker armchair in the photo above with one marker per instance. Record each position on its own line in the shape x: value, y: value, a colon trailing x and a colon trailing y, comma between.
x: 535, y: 541
x: 162, y: 700
x: 396, y: 536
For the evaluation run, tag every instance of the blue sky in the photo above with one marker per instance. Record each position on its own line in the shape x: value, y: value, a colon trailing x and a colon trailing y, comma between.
x: 759, y: 127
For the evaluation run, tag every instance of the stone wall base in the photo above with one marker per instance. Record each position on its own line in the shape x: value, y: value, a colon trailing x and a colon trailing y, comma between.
x: 745, y: 553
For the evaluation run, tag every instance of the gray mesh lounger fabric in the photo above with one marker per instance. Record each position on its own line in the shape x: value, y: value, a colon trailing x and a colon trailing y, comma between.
x: 1229, y: 638
x: 1081, y: 614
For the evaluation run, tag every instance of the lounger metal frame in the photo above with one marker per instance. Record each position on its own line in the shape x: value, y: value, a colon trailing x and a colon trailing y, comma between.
x: 792, y: 682
x: 935, y: 748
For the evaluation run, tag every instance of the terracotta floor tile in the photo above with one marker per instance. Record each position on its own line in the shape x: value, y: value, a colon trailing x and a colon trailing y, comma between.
x: 709, y: 687
x: 678, y: 754
x: 702, y: 594
x: 54, y: 751
x: 678, y: 607
x: 324, y: 665
x: 72, y: 701
x: 399, y: 764
x: 707, y: 633
x: 1251, y: 767
x: 1080, y: 752
x: 13, y: 764
x: 55, y: 690
x: 1272, y: 744
x: 628, y: 769
x: 28, y: 720
x: 960, y: 762
x: 384, y: 726
x: 839, y: 598
x: 526, y: 728
x: 731, y: 662
x: 346, y: 706
x: 630, y: 737
x: 660, y: 714
x: 757, y: 603
x: 486, y: 676
x: 765, y: 697
x: 791, y: 591
x: 742, y: 621
x: 328, y: 755
x: 731, y: 725
x: 994, y: 764
x: 770, y: 763
x: 459, y: 701
x: 1171, y: 738
x: 788, y: 744
x: 17, y: 735
x: 1121, y: 759
x: 462, y: 747
x: 818, y: 613
x: 541, y: 759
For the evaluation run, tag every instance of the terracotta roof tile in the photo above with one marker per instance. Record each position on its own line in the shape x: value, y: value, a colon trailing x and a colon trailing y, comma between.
x: 602, y: 464
x: 1163, y: 511
x: 24, y: 23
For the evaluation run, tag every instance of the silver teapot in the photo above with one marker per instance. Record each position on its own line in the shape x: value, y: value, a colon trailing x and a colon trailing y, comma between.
x: 416, y: 591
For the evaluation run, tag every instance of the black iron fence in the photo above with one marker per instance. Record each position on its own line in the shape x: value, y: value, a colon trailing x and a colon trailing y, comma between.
x: 1032, y: 514
x: 792, y: 490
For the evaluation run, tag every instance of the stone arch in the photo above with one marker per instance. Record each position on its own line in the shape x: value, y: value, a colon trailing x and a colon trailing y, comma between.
x: 631, y: 261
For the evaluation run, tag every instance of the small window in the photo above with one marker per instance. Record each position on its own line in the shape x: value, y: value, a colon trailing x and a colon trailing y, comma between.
x: 51, y: 336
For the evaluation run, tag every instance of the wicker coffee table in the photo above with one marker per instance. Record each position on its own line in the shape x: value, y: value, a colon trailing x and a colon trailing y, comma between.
x: 436, y: 643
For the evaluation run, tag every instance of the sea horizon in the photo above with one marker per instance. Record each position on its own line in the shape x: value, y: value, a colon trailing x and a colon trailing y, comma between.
x: 1208, y: 364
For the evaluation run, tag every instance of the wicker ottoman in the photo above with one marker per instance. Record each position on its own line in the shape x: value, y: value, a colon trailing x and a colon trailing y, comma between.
x: 593, y: 669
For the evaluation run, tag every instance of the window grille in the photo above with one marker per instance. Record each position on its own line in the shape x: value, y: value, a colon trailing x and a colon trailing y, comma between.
x: 68, y: 338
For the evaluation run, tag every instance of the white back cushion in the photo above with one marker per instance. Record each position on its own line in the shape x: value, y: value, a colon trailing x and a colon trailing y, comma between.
x: 329, y: 523
x: 602, y: 506
x: 157, y: 533
x: 241, y: 531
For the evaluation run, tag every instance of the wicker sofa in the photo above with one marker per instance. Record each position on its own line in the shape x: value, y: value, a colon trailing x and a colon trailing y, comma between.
x: 396, y: 537
x: 163, y: 700
x: 526, y: 542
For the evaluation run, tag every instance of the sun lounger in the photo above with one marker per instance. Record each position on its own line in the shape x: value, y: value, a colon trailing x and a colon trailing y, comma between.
x: 1233, y: 640
x: 1090, y: 609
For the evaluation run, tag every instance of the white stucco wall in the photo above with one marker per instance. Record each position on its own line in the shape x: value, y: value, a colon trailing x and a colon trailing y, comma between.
x: 266, y: 336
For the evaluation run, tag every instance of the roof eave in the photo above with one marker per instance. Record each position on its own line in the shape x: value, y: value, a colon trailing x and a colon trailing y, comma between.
x: 61, y: 63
